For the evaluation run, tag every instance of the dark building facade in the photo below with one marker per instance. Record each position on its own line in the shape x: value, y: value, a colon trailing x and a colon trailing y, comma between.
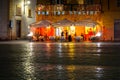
x: 4, y: 19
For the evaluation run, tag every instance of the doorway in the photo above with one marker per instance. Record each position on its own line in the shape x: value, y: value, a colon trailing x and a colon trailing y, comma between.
x: 117, y: 29
x: 18, y: 28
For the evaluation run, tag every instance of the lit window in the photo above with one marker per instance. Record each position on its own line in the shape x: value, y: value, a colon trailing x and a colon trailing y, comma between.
x: 87, y: 12
x: 39, y: 12
x: 79, y: 12
x: 54, y: 12
x: 58, y: 12
x: 43, y: 13
x: 83, y: 12
x: 91, y: 12
x: 70, y: 12
x: 63, y: 12
x: 75, y: 12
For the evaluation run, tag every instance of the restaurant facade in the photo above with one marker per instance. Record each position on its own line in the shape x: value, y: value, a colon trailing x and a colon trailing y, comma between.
x: 99, y: 16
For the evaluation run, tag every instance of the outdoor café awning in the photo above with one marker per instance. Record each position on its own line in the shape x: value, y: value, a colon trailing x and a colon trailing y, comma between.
x: 86, y: 22
x: 42, y: 23
x: 43, y: 27
x: 63, y: 23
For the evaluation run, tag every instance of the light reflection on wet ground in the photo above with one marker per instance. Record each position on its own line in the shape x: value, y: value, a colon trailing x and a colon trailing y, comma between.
x: 59, y: 61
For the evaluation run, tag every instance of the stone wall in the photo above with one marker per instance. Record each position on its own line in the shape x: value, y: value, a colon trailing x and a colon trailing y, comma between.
x: 108, y: 21
x: 23, y: 16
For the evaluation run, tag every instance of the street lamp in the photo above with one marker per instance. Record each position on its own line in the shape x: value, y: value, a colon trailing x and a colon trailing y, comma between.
x: 25, y: 4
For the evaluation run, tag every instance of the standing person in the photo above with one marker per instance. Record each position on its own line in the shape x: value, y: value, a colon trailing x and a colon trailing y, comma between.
x: 82, y: 35
x: 46, y: 37
x: 66, y: 35
x: 62, y: 36
x: 69, y: 38
x: 90, y: 32
x: 62, y: 33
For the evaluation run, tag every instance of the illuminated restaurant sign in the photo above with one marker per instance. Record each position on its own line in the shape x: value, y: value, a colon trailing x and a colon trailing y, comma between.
x: 65, y: 10
x: 69, y: 12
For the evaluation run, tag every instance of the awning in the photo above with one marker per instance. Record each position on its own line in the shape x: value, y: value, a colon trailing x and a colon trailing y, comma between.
x: 86, y: 22
x: 42, y: 23
x: 63, y: 23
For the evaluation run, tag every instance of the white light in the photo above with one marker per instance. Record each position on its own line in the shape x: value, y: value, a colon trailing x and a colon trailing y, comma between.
x: 30, y: 34
x: 98, y: 34
x: 28, y: 2
x: 28, y: 27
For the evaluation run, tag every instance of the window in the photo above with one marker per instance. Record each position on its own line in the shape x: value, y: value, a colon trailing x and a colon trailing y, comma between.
x: 118, y: 3
x: 88, y: 2
x: 18, y: 10
x: 47, y: 12
x: 63, y: 1
x: 58, y: 1
x: 29, y: 13
x: 55, y: 1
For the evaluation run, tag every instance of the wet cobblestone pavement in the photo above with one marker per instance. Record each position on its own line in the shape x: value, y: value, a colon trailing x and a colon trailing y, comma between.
x: 23, y: 60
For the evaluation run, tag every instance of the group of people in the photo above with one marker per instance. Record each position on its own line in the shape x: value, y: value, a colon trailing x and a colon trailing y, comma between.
x: 67, y: 36
x: 64, y: 36
x: 82, y: 36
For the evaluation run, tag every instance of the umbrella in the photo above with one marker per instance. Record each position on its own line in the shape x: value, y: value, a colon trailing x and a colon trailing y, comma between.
x: 86, y: 22
x: 63, y: 22
x: 42, y: 23
x: 41, y: 27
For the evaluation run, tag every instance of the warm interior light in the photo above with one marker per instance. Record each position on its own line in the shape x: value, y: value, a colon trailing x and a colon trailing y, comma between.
x: 72, y: 29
